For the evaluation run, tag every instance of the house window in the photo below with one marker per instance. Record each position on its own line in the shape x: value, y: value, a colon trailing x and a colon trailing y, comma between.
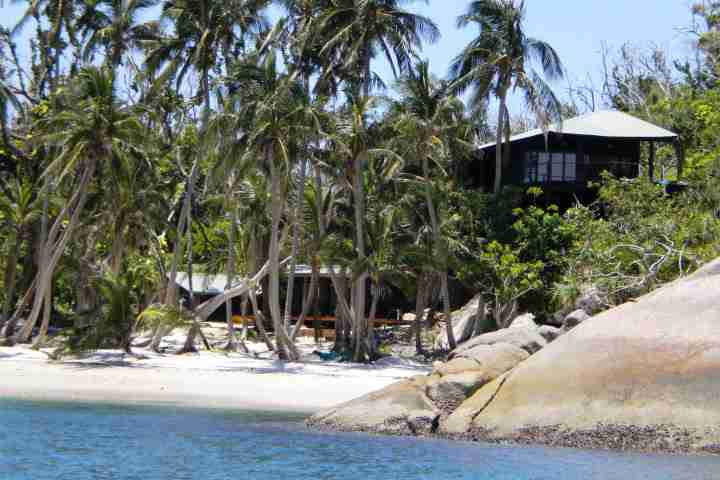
x: 543, y: 167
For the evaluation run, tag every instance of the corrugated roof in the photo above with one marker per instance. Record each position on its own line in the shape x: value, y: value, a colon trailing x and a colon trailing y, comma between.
x: 606, y: 124
x: 203, y: 284
x: 302, y: 270
x: 215, y: 284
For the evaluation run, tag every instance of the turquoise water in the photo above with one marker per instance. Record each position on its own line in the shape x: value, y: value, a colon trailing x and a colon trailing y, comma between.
x: 96, y: 442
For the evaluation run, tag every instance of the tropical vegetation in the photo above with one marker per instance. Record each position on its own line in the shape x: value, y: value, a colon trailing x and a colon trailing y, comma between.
x: 146, y: 139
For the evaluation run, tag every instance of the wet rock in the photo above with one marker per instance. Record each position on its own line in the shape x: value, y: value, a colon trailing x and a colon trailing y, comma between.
x: 460, y: 422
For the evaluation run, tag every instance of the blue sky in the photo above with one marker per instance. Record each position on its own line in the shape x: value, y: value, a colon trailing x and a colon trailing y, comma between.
x: 576, y: 29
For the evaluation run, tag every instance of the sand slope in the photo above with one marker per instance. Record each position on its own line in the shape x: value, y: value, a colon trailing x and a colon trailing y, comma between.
x: 214, y: 380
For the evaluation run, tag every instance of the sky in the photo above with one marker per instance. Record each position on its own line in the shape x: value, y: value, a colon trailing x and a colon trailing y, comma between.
x: 577, y: 29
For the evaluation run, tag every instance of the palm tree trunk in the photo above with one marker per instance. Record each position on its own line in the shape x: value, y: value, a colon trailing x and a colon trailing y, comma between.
x: 206, y: 91
x: 53, y: 252
x: 370, y: 338
x: 359, y: 326
x: 231, y: 345
x: 10, y: 280
x: 359, y: 297
x: 420, y: 304
x: 47, y: 307
x: 195, y: 329
x: 499, y: 142
x: 172, y: 288
x: 285, y: 348
x: 307, y: 302
x: 171, y: 291
x: 47, y: 310
x: 297, y: 216
x: 274, y: 253
x: 260, y: 321
x: 344, y: 310
x: 440, y: 251
x: 116, y: 252
x: 446, y: 309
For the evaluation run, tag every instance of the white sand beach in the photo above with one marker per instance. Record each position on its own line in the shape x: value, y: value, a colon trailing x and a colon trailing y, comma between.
x: 205, y: 379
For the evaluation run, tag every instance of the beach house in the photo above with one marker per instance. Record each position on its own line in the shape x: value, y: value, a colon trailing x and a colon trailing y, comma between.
x: 567, y: 156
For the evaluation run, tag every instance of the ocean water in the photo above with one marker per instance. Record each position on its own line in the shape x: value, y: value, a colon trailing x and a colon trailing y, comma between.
x: 94, y: 442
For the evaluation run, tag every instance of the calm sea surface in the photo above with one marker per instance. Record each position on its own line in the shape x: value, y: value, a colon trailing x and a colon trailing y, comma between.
x: 82, y: 442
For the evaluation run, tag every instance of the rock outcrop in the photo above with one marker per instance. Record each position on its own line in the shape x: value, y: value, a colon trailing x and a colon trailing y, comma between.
x: 528, y: 339
x: 650, y: 367
x: 592, y: 300
x: 642, y: 376
x: 452, y: 383
x: 526, y: 320
x: 402, y: 408
x: 416, y: 406
x: 466, y: 323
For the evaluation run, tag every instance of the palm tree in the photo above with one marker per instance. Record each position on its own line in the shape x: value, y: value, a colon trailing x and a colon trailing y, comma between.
x: 138, y: 206
x: 60, y: 13
x: 203, y: 31
x: 274, y: 112
x: 302, y: 34
x: 114, y: 26
x: 60, y: 20
x: 92, y: 130
x: 432, y: 125
x: 355, y: 32
x: 355, y: 144
x: 498, y: 61
x: 17, y: 214
x: 8, y: 102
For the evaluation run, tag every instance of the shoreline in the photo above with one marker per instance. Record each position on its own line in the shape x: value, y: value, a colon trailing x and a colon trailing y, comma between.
x: 623, y: 439
x: 203, y: 380
x: 235, y: 382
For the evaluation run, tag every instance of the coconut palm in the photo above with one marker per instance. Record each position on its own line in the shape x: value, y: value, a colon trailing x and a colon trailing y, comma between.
x: 60, y: 18
x: 431, y: 123
x: 17, y: 213
x: 356, y: 143
x: 60, y: 14
x: 115, y: 27
x: 203, y: 32
x: 275, y: 113
x: 8, y: 102
x: 499, y: 61
x: 355, y: 32
x: 92, y: 131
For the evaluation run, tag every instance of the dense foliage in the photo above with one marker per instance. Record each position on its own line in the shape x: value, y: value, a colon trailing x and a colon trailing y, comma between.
x: 147, y: 138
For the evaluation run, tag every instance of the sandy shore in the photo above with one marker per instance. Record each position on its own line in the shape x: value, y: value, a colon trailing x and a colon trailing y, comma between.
x: 207, y: 379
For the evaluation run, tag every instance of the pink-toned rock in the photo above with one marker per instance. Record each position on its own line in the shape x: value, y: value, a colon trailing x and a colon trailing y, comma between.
x: 651, y: 363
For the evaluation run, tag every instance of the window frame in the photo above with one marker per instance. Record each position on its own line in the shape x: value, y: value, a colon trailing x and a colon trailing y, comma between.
x: 550, y: 162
